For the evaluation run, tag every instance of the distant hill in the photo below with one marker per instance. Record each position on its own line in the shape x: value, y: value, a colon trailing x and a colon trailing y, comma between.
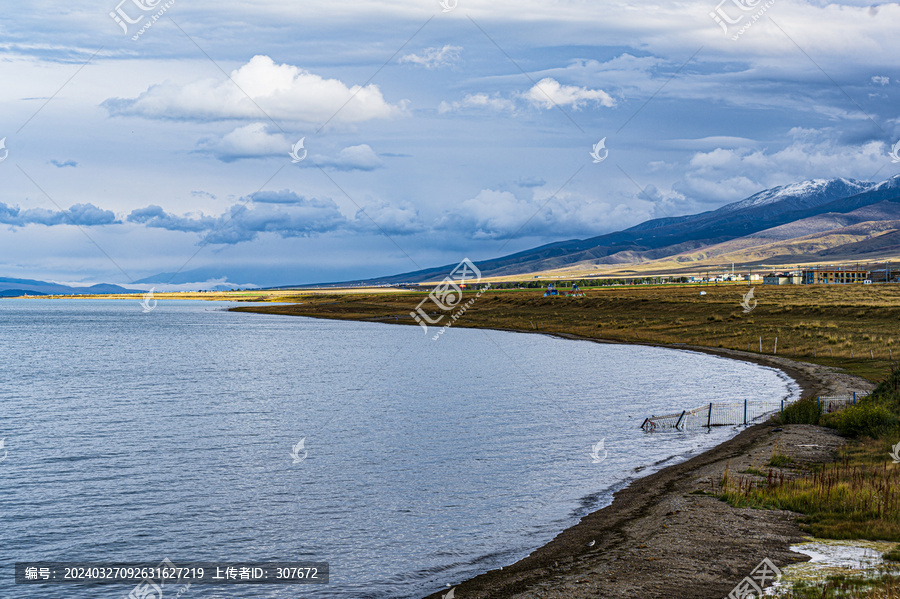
x: 19, y: 287
x: 829, y: 212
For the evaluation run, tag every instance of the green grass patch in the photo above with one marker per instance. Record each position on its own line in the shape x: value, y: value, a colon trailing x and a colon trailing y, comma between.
x: 857, y: 496
x: 779, y: 461
x: 754, y: 471
x: 805, y: 411
x: 840, y: 586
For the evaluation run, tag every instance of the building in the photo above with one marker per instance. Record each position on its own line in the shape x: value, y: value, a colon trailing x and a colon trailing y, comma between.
x: 782, y: 278
x: 887, y: 274
x: 753, y: 277
x: 830, y: 275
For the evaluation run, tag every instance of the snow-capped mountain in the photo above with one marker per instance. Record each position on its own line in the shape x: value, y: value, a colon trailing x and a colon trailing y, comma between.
x: 805, y: 194
x: 662, y: 237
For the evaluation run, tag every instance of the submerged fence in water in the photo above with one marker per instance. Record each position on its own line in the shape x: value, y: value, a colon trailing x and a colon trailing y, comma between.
x: 737, y: 413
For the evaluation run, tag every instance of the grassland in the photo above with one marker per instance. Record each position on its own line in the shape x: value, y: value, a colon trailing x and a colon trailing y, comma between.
x: 855, y: 327
x: 854, y: 497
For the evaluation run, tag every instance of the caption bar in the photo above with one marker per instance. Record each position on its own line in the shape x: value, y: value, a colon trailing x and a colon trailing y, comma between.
x: 186, y: 572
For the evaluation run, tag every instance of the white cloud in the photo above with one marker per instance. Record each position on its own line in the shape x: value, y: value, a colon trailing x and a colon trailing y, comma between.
x: 496, y: 214
x: 361, y: 158
x: 390, y: 219
x: 256, y: 90
x: 549, y: 93
x: 249, y: 141
x: 255, y: 141
x: 433, y: 58
x: 726, y: 175
x: 483, y: 101
x: 881, y: 80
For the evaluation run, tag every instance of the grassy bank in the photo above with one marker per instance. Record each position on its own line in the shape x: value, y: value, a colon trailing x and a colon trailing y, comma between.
x: 852, y: 327
x: 855, y: 497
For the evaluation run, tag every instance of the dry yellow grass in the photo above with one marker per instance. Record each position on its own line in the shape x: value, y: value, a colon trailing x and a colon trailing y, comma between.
x: 852, y: 326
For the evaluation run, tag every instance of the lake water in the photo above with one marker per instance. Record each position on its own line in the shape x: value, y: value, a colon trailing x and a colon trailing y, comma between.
x: 137, y: 437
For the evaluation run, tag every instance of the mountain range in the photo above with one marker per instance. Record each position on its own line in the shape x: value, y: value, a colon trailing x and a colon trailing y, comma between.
x: 821, y: 220
x: 816, y: 221
x: 19, y: 287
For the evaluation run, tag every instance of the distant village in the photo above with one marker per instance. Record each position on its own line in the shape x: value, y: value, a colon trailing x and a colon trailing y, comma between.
x: 813, y: 275
x: 834, y: 275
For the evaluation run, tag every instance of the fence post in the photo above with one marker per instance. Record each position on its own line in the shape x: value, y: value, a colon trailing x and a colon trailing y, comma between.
x: 680, y: 418
x: 818, y: 404
x: 745, y: 411
x: 782, y: 406
x: 709, y: 416
x: 854, y: 398
x: 775, y: 351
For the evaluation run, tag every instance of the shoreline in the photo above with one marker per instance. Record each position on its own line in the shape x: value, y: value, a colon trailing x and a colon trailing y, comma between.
x: 658, y: 538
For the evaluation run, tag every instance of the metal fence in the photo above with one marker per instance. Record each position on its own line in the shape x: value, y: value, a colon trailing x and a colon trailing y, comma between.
x: 833, y: 403
x: 737, y: 413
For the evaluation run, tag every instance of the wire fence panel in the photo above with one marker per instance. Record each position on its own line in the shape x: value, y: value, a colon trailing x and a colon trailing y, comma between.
x: 737, y: 413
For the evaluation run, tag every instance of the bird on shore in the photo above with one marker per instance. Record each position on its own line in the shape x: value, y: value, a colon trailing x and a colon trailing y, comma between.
x: 592, y: 543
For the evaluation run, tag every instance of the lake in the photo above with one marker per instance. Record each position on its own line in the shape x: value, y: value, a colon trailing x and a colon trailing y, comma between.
x: 134, y: 436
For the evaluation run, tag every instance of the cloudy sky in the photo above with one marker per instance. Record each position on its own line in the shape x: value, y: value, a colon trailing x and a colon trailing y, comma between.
x: 155, y: 136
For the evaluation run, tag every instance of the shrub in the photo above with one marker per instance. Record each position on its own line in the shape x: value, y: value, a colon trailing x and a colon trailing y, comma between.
x: 866, y: 419
x: 888, y: 390
x: 805, y: 411
x: 779, y: 460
